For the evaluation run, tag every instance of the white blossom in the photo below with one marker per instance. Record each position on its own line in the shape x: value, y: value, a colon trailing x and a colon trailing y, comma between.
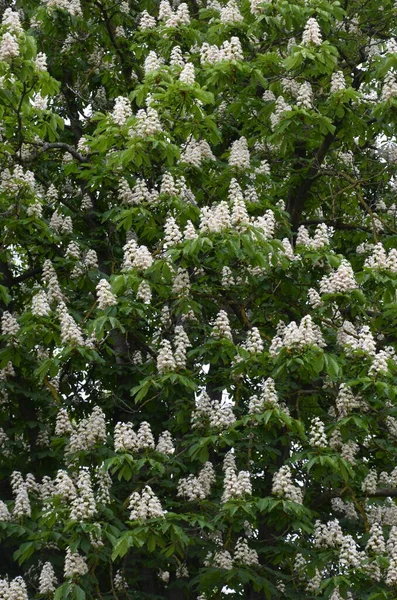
x: 122, y: 110
x: 239, y: 154
x: 283, y: 486
x: 221, y: 327
x: 317, y: 437
x: 338, y: 82
x: 312, y: 33
x: 47, y: 581
x: 340, y: 281
x: 165, y: 444
x: 230, y: 13
x: 9, y: 47
x: 244, y: 555
x: 187, y: 74
x: 145, y: 505
x: 83, y: 506
x: 75, y: 564
x: 105, y: 295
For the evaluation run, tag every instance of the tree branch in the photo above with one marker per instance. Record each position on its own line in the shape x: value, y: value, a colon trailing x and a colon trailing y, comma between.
x: 60, y: 146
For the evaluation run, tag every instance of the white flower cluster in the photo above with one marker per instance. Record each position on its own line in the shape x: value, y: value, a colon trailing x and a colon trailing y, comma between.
x: 126, y: 439
x: 172, y: 233
x: 83, y: 505
x: 88, y: 432
x: 349, y: 555
x: 293, y: 336
x: 347, y: 508
x: 346, y: 402
x: 212, y: 54
x: 75, y: 564
x: 256, y: 6
x: 146, y: 21
x: 222, y: 559
x: 181, y: 283
x: 244, y: 555
x: 314, y: 583
x: 138, y: 194
x: 122, y: 110
x: 329, y: 535
x: 280, y: 107
x: 174, y: 18
x: 18, y: 181
x: 312, y: 33
x: 187, y: 75
x: 5, y: 514
x: 71, y: 333
x: 165, y: 358
x: 317, y: 437
x: 236, y: 484
x: 376, y: 542
x: 138, y: 257
x: 64, y: 486
x: 239, y: 216
x: 197, y: 488
x: 63, y: 425
x: 356, y: 340
x: 147, y: 123
x: 381, y: 359
x: 12, y: 21
x: 71, y: 6
x: 61, y: 223
x: 314, y: 298
x: 267, y: 399
x: 145, y: 505
x: 239, y: 156
x: 212, y: 413
x: 391, y: 424
x: 54, y: 294
x: 165, y: 444
x: 9, y: 324
x: 13, y: 590
x: 20, y: 489
x: 195, y: 152
x: 385, y: 514
x: 215, y: 218
x: 338, y: 82
x: 105, y: 295
x: 176, y: 57
x: 380, y: 259
x: 9, y: 47
x: 321, y: 238
x: 227, y: 277
x: 254, y: 343
x: 144, y: 292
x: 230, y: 13
x: 221, y: 327
x: 304, y: 97
x: 152, y: 62
x: 340, y: 281
x: 47, y: 581
x: 181, y: 344
x: 389, y: 89
x: 391, y: 547
x: 283, y: 486
x: 370, y: 482
x: 119, y: 581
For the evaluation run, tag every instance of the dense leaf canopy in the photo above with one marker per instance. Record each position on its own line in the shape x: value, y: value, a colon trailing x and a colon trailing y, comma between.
x: 198, y: 276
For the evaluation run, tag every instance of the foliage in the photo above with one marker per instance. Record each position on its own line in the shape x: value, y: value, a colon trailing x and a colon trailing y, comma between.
x: 208, y: 251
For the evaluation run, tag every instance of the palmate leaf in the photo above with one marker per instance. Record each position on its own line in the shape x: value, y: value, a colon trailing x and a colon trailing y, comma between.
x: 271, y: 416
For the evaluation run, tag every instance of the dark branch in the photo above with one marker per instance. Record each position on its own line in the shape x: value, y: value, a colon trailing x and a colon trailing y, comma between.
x: 61, y: 146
